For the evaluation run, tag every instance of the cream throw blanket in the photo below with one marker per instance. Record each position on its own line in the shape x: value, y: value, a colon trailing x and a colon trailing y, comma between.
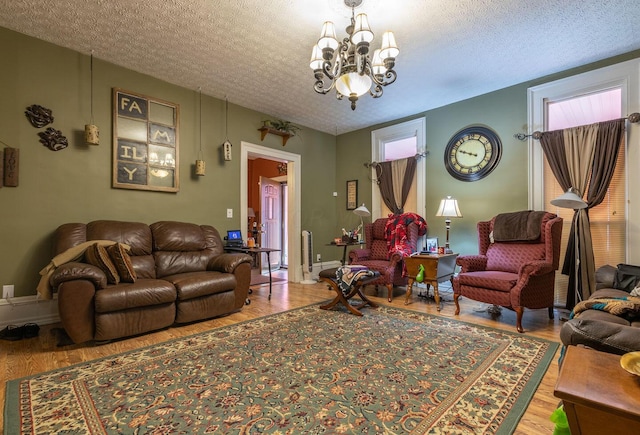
x: 72, y: 254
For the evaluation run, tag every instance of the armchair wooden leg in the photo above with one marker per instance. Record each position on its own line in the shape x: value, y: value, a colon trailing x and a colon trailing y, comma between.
x: 551, y: 312
x: 519, y: 311
x: 389, y: 292
x: 455, y: 299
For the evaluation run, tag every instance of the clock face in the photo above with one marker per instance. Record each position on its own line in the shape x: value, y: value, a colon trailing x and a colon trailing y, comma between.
x: 472, y: 153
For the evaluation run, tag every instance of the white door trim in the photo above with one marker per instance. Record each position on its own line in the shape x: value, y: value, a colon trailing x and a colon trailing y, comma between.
x: 294, y: 202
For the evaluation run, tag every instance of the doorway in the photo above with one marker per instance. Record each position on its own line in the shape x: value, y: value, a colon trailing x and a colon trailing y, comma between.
x: 291, y: 220
x: 273, y: 225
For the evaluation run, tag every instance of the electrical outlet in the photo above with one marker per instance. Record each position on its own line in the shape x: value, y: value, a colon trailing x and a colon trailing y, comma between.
x: 229, y: 212
x: 7, y: 291
x: 318, y: 258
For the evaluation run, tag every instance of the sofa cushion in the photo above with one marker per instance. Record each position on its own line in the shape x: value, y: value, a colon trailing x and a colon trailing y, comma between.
x: 196, y: 284
x: 142, y: 293
x: 98, y: 256
x: 495, y: 280
x: 122, y: 262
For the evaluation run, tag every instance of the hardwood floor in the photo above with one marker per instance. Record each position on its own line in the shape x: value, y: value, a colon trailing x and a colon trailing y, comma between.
x: 30, y: 356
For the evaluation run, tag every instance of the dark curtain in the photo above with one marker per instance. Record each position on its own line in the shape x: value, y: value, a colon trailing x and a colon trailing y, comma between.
x: 394, y: 179
x: 609, y: 138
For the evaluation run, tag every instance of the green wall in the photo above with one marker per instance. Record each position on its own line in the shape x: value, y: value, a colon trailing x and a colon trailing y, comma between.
x: 503, y: 190
x: 74, y: 184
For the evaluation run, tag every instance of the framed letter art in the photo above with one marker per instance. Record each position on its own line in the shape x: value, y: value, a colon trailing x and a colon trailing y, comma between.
x: 352, y: 194
x: 145, y: 143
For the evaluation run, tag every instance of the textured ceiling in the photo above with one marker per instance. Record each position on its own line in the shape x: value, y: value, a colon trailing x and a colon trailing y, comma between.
x: 256, y: 52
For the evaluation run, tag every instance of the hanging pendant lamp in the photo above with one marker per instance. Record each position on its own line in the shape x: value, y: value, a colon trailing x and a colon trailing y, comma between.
x: 91, y: 131
x: 200, y: 165
x: 226, y: 146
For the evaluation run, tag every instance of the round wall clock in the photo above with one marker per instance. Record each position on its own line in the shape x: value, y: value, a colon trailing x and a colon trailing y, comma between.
x: 472, y: 153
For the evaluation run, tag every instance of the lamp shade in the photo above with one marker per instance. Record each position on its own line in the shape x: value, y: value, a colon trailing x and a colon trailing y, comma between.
x: 449, y: 208
x: 251, y: 213
x: 569, y: 199
x: 362, y: 211
x: 316, y: 58
x: 328, y: 36
x: 389, y: 48
x: 362, y: 32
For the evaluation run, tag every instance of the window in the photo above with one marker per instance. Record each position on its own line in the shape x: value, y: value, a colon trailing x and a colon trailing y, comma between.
x: 603, y: 94
x: 398, y: 142
x: 608, y: 224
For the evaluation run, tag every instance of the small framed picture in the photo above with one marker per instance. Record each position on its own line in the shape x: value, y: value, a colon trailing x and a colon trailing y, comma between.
x: 352, y: 194
x: 432, y: 245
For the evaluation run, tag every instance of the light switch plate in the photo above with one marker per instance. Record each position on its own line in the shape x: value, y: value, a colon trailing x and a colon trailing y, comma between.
x: 229, y: 212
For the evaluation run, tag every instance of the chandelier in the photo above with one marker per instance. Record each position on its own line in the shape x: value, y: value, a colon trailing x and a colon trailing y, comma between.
x: 346, y: 65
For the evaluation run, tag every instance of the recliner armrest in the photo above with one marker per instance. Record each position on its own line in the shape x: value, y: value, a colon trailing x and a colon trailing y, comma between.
x: 228, y: 262
x: 535, y: 268
x: 600, y: 335
x: 74, y: 271
x: 472, y: 263
x: 357, y: 255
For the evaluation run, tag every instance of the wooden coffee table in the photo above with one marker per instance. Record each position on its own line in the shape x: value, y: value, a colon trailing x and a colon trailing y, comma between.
x: 599, y: 396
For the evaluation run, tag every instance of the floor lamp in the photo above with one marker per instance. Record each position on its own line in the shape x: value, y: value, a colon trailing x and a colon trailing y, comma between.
x: 448, y: 208
x: 363, y: 212
x: 571, y: 199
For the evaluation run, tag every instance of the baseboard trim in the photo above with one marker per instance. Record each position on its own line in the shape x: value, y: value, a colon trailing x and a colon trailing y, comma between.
x: 28, y: 309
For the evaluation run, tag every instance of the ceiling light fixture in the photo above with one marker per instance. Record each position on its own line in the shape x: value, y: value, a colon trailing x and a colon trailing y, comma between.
x: 91, y: 132
x: 200, y: 164
x: 352, y: 73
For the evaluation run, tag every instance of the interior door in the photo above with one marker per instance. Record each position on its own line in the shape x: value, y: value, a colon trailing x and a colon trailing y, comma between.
x: 271, y: 218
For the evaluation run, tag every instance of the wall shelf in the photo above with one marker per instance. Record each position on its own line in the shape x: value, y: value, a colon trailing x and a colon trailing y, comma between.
x: 285, y: 136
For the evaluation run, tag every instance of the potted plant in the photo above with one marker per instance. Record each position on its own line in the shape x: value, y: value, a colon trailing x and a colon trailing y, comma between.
x: 282, y: 126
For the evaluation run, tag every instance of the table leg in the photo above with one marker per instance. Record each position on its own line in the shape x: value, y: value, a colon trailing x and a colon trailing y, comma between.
x: 269, y: 267
x: 344, y: 255
x: 436, y: 295
x: 344, y: 299
x: 409, y: 290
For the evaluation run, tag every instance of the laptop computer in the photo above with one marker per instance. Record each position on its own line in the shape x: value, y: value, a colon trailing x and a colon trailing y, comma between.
x: 234, y: 238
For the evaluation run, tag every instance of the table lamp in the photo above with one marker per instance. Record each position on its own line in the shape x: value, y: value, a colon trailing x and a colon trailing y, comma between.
x: 571, y: 199
x: 448, y: 208
x: 362, y: 211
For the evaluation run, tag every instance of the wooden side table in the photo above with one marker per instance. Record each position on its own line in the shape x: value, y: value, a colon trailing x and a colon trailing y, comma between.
x: 437, y: 268
x: 599, y: 396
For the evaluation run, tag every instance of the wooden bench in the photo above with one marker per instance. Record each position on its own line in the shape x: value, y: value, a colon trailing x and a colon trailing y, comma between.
x: 329, y: 276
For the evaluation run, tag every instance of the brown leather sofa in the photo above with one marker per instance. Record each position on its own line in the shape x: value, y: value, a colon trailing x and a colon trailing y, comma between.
x: 182, y: 275
x: 599, y: 329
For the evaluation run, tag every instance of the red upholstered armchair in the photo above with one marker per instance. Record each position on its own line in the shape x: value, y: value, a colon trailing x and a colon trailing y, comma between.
x: 512, y: 274
x: 376, y: 255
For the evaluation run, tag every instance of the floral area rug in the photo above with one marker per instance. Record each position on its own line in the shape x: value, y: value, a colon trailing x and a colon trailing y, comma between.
x: 305, y: 371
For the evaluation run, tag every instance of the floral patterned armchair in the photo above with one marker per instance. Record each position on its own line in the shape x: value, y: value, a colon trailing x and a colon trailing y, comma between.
x: 512, y: 274
x: 385, y: 255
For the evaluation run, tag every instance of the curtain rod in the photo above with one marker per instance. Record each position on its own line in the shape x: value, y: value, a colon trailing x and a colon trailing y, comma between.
x: 634, y: 118
x: 417, y: 157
